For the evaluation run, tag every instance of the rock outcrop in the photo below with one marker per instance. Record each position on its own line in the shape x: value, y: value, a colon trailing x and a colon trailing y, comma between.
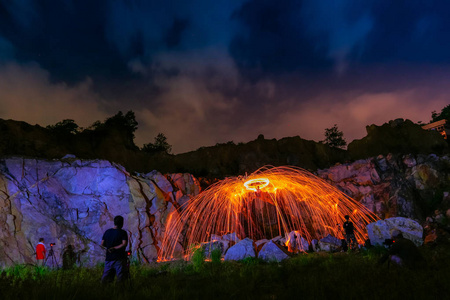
x: 271, y: 252
x: 397, y: 136
x: 72, y: 202
x: 329, y: 244
x: 411, y: 186
x: 383, y: 229
x: 241, y: 250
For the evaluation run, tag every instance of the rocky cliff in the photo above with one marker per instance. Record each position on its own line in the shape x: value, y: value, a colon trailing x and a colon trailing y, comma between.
x: 411, y: 186
x: 72, y: 202
x: 397, y: 136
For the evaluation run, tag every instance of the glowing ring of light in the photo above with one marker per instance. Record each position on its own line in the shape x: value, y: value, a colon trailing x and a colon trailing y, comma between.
x: 263, y: 182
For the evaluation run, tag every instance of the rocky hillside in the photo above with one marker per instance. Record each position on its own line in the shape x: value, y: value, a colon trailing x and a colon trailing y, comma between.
x: 115, y: 143
x: 71, y: 201
x: 412, y: 186
x: 398, y: 136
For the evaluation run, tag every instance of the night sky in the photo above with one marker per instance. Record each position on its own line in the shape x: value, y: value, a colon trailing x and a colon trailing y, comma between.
x: 204, y: 72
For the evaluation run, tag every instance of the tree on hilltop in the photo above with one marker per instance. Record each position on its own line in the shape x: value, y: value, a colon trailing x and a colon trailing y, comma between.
x: 334, y: 137
x: 160, y: 145
x: 444, y: 114
x: 122, y: 125
x: 67, y: 126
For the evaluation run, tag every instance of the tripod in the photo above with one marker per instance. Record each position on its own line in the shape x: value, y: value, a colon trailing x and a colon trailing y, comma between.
x: 53, y: 260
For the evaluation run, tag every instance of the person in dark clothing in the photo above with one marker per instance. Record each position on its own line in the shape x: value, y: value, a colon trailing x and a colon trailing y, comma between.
x: 115, y: 241
x: 403, y: 252
x: 349, y: 233
x: 69, y: 258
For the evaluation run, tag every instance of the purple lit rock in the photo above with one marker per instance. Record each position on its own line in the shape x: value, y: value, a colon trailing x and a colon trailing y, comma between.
x: 232, y: 237
x: 383, y: 229
x: 241, y: 250
x: 271, y: 252
x: 329, y: 243
x: 74, y: 201
x: 296, y: 241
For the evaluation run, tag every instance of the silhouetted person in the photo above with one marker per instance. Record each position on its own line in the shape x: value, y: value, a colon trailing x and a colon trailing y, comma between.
x: 349, y: 233
x: 40, y: 252
x: 115, y: 240
x: 403, y: 252
x: 69, y: 258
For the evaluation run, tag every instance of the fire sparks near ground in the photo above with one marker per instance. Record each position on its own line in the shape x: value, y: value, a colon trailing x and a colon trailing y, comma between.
x: 270, y: 202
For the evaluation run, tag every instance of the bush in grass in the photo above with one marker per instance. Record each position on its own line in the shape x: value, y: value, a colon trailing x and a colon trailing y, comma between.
x: 216, y: 255
x: 198, y: 259
x: 251, y: 261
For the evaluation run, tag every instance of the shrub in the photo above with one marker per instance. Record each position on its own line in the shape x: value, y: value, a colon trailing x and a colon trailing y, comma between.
x: 198, y: 259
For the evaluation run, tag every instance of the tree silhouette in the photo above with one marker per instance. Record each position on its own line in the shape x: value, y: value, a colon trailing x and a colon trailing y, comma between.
x: 67, y: 126
x: 444, y: 114
x: 160, y: 145
x: 334, y: 137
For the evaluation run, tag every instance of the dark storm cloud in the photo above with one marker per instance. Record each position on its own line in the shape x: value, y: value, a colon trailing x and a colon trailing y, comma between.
x: 415, y: 31
x: 316, y: 35
x: 75, y: 39
x: 65, y: 37
x: 274, y: 39
x: 206, y: 71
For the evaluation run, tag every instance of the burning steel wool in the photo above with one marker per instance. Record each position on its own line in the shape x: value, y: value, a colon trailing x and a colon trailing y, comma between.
x: 271, y: 201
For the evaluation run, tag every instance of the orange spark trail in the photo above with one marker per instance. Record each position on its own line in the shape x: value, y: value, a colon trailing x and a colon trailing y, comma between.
x: 271, y: 201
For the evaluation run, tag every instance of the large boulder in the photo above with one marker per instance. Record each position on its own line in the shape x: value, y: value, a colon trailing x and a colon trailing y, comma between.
x: 272, y: 252
x: 296, y: 242
x: 329, y: 243
x: 208, y: 248
x: 241, y: 250
x: 383, y: 229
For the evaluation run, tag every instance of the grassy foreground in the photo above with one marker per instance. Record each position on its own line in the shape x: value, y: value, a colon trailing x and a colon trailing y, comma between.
x: 305, y: 276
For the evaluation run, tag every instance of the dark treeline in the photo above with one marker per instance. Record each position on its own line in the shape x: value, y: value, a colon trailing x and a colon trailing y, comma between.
x: 113, y: 140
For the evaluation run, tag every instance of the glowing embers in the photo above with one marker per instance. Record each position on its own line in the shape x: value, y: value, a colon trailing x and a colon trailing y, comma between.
x: 291, y: 199
x: 255, y: 184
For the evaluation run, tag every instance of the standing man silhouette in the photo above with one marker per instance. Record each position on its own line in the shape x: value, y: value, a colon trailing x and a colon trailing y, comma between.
x: 115, y: 240
x: 349, y: 233
x: 40, y: 252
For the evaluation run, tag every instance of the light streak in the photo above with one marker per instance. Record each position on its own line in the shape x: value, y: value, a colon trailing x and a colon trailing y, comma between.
x: 254, y: 184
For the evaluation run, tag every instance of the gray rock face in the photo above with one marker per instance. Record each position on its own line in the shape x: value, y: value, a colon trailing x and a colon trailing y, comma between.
x: 329, y: 243
x: 241, y: 250
x: 383, y: 229
x: 72, y: 202
x: 392, y: 185
x: 271, y: 252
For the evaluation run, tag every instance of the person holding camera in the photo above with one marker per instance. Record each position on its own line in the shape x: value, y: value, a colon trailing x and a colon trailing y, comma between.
x: 402, y: 252
x: 115, y: 241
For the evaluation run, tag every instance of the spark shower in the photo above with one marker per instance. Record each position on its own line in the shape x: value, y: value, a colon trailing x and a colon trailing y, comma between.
x: 270, y: 202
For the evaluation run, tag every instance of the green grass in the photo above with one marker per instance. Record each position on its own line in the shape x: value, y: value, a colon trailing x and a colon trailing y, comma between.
x: 305, y: 276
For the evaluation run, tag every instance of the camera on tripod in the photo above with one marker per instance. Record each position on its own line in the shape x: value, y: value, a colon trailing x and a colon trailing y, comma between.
x: 52, y: 244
